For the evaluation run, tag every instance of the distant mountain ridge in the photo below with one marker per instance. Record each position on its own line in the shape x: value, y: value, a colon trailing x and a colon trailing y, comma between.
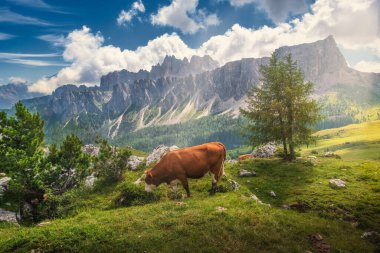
x: 177, y: 91
x: 13, y: 92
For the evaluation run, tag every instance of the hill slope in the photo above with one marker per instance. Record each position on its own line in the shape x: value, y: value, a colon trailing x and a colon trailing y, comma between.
x: 231, y: 221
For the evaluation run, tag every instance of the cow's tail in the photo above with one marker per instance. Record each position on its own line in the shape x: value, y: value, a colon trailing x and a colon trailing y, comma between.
x: 221, y: 171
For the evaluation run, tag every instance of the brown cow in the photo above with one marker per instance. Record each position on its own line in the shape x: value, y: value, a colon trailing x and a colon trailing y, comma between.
x: 244, y: 157
x: 193, y: 162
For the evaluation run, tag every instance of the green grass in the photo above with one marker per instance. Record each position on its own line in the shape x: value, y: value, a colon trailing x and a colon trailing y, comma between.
x: 96, y: 221
x: 356, y: 141
x: 93, y: 222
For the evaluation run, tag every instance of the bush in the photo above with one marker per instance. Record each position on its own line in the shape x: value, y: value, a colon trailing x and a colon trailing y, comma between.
x: 111, y: 162
x: 133, y: 195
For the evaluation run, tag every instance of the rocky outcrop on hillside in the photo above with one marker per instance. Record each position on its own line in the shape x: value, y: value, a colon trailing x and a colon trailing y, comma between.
x: 158, y: 153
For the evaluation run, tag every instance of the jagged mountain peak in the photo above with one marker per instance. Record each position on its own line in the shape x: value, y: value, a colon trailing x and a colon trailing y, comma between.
x: 317, y: 58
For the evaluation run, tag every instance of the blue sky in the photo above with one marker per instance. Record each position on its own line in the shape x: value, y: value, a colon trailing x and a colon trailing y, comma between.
x: 35, y: 33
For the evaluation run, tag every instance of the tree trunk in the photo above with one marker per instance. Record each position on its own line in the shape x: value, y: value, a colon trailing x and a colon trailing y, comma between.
x: 292, y: 155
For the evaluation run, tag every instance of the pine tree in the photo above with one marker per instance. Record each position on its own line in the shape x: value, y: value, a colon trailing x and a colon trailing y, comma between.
x: 281, y: 108
x: 21, y: 155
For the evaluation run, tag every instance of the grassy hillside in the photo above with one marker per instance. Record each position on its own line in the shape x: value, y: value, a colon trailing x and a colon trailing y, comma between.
x: 356, y: 141
x: 232, y: 221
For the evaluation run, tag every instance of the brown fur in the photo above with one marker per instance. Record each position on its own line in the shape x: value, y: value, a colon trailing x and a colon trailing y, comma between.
x: 192, y: 162
x: 244, y: 157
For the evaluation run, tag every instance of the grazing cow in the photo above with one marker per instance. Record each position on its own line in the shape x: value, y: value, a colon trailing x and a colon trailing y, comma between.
x: 244, y: 157
x: 193, y: 162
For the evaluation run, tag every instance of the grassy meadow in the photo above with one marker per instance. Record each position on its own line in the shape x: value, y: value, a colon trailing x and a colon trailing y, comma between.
x: 123, y: 218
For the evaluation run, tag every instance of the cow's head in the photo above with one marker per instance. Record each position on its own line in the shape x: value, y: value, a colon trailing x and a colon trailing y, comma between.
x: 149, y: 181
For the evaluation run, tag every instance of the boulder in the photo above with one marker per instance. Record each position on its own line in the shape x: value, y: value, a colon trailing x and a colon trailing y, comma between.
x: 371, y: 236
x: 158, y: 153
x: 4, y: 184
x: 246, y: 173
x: 8, y: 216
x: 91, y: 149
x: 312, y: 157
x: 264, y: 151
x: 90, y: 181
x: 2, y: 174
x: 329, y: 154
x: 134, y: 162
x: 337, y: 183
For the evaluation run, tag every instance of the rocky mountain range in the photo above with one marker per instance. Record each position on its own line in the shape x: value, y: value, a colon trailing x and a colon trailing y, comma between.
x: 13, y: 92
x: 177, y: 91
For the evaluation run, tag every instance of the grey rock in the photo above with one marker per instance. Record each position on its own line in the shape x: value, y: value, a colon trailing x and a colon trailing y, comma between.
x: 158, y: 153
x: 2, y: 174
x: 7, y: 216
x: 246, y: 173
x: 134, y: 162
x: 89, y: 181
x: 371, y: 235
x: 4, y: 184
x: 264, y: 151
x: 91, y: 149
x: 329, y: 154
x: 272, y: 194
x: 337, y: 183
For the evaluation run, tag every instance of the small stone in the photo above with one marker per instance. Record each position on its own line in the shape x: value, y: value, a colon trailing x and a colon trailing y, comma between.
x: 246, y: 173
x: 42, y: 224
x: 337, y: 183
x: 329, y: 154
x: 221, y: 209
x: 371, y: 235
x: 273, y: 194
x: 90, y: 180
x: 312, y: 157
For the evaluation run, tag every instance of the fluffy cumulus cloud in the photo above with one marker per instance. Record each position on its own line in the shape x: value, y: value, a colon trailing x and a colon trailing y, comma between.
x: 184, y: 15
x: 354, y: 24
x: 127, y: 16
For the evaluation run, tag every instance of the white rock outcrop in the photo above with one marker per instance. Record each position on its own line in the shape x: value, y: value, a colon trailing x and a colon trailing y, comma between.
x: 264, y: 151
x: 134, y: 162
x: 158, y: 153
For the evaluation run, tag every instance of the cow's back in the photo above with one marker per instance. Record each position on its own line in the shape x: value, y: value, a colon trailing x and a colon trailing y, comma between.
x: 195, y: 161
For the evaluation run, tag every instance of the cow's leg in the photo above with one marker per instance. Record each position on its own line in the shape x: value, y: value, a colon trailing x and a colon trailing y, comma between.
x: 214, y: 183
x: 174, y: 186
x: 185, y: 185
x: 216, y: 174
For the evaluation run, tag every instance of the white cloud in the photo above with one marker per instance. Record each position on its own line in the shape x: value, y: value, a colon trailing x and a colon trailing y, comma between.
x: 39, y: 4
x: 6, y: 36
x: 354, y: 24
x: 17, y: 80
x: 183, y: 15
x: 8, y: 16
x: 90, y: 59
x: 23, y: 59
x: 56, y: 40
x: 368, y: 66
x: 127, y: 16
x: 278, y: 11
